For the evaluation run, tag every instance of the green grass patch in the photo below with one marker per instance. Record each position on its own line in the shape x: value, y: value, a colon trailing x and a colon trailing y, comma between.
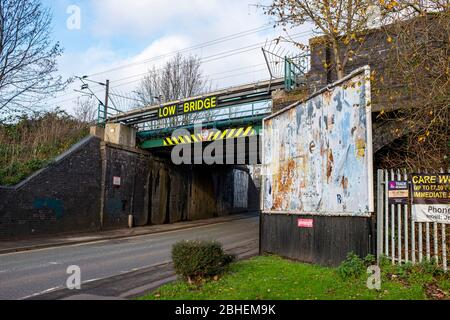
x: 274, y: 278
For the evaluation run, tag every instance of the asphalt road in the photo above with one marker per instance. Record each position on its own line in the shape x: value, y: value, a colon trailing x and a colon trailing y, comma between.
x: 29, y: 274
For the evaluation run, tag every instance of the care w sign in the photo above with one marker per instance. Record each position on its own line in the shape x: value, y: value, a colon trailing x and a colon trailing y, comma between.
x: 431, y: 197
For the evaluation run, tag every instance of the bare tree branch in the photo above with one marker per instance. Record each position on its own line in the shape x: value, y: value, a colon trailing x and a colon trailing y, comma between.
x: 27, y: 55
x: 341, y: 22
x: 180, y: 78
x: 420, y: 60
x: 86, y: 110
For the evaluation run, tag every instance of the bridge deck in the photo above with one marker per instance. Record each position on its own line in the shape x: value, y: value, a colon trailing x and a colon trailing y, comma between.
x: 233, y: 96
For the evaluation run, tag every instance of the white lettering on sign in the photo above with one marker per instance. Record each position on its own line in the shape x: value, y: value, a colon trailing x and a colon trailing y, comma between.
x: 117, y: 181
x: 305, y: 223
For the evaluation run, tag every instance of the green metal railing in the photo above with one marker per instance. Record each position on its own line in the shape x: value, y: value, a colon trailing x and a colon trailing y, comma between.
x: 241, y: 115
x: 295, y: 70
x: 246, y: 111
x: 103, y: 114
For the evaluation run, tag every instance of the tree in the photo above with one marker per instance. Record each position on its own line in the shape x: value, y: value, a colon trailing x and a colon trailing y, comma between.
x: 341, y: 22
x: 411, y: 68
x: 27, y: 55
x: 419, y: 59
x: 85, y: 110
x: 179, y: 78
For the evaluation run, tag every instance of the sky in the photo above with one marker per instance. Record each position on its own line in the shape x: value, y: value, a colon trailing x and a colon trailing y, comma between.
x: 121, y: 40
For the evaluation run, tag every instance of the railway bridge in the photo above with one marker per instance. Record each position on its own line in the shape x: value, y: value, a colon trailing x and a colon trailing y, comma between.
x: 231, y: 114
x: 139, y: 144
x: 225, y: 116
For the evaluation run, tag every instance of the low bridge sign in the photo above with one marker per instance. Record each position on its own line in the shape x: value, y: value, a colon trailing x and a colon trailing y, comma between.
x: 188, y: 107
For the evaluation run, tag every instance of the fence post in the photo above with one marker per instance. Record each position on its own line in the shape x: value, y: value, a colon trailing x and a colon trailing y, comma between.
x: 420, y: 235
x: 420, y: 242
x: 435, y: 244
x: 380, y: 209
x: 386, y: 216
x: 413, y: 237
x: 444, y: 248
x: 427, y: 238
x: 392, y: 225
x: 399, y: 226
x: 405, y: 208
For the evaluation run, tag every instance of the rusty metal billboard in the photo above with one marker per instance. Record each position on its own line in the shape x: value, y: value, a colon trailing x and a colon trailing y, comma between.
x: 317, y: 155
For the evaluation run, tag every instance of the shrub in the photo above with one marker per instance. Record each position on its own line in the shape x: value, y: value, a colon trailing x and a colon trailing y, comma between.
x: 352, y: 267
x: 370, y: 260
x: 198, y: 260
x: 429, y: 267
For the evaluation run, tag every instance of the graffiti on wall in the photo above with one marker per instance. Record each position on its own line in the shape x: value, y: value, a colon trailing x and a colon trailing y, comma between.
x: 115, y: 207
x: 318, y: 154
x: 48, y: 209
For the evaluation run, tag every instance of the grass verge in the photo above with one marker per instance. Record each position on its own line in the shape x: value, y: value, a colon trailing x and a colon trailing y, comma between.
x: 274, y: 278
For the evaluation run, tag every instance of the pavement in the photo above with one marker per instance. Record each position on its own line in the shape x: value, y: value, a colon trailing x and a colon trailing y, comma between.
x: 34, y: 243
x: 116, y: 268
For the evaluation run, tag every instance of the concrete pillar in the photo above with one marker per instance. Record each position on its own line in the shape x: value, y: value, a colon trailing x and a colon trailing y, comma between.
x: 120, y: 134
x: 97, y: 132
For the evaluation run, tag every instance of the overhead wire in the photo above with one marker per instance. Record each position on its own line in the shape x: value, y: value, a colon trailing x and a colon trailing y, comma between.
x: 207, y: 59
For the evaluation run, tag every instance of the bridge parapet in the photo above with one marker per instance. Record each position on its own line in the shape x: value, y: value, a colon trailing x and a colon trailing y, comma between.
x: 225, y: 111
x: 116, y: 133
x: 185, y: 111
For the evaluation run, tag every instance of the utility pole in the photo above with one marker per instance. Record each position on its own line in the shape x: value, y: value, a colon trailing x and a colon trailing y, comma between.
x: 85, y: 86
x: 106, y: 100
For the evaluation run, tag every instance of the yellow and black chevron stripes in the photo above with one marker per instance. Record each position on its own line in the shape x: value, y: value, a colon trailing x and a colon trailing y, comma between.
x: 209, y: 136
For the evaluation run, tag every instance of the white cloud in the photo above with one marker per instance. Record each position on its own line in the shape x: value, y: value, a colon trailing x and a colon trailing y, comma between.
x: 143, y: 18
x: 95, y: 57
x: 167, y: 27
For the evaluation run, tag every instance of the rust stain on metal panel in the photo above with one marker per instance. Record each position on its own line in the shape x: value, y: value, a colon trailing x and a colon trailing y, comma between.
x: 330, y: 163
x: 344, y: 183
x: 284, y: 181
x: 327, y: 95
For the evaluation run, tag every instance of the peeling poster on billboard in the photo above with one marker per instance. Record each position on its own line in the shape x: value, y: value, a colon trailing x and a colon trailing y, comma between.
x: 317, y: 156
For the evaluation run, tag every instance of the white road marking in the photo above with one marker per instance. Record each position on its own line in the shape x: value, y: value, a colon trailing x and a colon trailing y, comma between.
x: 40, y: 293
x: 92, y: 280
